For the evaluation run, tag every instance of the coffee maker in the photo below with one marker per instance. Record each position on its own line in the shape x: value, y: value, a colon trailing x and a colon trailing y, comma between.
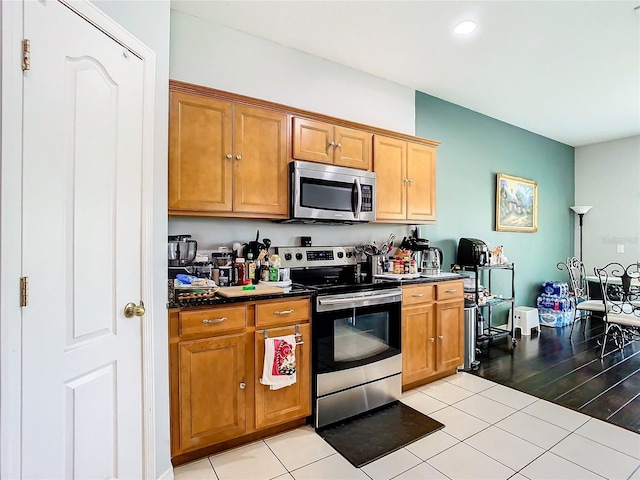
x: 431, y: 261
x: 418, y: 247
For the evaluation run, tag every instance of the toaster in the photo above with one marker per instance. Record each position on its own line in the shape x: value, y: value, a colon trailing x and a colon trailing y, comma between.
x: 472, y: 252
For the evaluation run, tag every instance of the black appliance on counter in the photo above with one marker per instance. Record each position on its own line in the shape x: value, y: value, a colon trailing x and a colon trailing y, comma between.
x: 472, y: 252
x: 357, y: 361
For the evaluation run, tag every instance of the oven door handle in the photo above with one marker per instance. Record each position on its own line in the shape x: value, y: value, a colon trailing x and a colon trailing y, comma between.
x: 338, y: 301
x: 356, y: 214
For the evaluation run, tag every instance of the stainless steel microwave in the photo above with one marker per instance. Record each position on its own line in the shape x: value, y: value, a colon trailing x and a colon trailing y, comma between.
x: 326, y: 193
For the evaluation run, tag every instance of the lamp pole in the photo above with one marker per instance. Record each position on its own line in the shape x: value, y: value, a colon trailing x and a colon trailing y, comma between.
x: 581, y: 210
x: 580, y: 216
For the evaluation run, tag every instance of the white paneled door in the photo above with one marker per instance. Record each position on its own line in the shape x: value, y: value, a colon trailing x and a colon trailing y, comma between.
x: 82, y: 161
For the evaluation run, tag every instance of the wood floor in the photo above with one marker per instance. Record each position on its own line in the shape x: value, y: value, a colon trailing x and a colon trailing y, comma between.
x: 570, y: 373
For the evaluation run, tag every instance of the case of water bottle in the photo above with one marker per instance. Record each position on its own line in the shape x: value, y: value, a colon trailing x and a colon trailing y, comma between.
x: 556, y: 308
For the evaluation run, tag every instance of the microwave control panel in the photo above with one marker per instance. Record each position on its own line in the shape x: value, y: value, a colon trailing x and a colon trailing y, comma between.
x: 367, y: 198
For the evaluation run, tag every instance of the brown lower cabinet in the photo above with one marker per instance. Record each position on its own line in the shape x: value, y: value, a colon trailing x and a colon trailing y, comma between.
x: 432, y: 331
x: 216, y: 357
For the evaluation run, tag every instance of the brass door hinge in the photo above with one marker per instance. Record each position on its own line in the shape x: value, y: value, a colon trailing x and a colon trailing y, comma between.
x: 24, y: 291
x: 26, y: 55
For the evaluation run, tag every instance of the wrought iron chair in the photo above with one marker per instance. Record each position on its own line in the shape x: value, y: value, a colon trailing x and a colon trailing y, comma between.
x: 585, y: 307
x: 620, y: 287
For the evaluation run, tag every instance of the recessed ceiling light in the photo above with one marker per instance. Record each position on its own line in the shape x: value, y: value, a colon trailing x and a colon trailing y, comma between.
x: 466, y: 27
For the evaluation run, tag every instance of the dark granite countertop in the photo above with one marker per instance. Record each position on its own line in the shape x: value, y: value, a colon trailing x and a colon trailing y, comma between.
x: 299, y: 291
x: 218, y: 300
x: 447, y: 278
x: 417, y: 280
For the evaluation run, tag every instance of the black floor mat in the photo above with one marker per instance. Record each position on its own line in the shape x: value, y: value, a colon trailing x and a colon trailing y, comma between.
x: 373, y: 435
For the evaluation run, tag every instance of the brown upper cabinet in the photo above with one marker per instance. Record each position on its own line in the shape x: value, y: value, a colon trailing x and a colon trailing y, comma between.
x: 229, y: 155
x: 226, y: 158
x: 405, y: 180
x: 323, y: 142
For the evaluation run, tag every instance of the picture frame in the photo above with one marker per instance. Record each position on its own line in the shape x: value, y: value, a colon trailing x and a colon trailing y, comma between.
x: 516, y: 204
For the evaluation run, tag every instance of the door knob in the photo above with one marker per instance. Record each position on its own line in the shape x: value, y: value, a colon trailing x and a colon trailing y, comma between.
x: 133, y: 310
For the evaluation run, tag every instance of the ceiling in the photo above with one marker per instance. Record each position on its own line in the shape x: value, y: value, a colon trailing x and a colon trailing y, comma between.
x: 567, y: 70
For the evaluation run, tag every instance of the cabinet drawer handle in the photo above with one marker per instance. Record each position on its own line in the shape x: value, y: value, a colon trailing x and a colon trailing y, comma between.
x: 453, y: 290
x: 432, y: 339
x: 441, y: 337
x: 283, y: 312
x: 417, y: 295
x: 215, y: 320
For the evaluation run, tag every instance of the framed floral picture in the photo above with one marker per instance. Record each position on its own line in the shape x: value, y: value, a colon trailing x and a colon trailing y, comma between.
x: 516, y: 204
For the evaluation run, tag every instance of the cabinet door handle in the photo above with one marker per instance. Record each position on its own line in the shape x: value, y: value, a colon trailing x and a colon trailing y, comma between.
x: 432, y: 339
x: 283, y: 312
x: 410, y: 180
x: 441, y: 337
x: 238, y: 157
x: 338, y: 145
x: 453, y: 290
x: 406, y: 180
x: 242, y: 385
x: 229, y: 156
x: 214, y: 320
x: 417, y: 295
x: 332, y: 143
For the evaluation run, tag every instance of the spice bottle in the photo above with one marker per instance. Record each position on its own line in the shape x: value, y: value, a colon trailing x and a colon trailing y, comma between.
x: 239, y: 267
x: 251, y: 268
x: 264, y: 271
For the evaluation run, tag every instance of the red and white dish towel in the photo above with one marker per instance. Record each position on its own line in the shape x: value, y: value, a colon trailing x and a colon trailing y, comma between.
x: 279, y: 362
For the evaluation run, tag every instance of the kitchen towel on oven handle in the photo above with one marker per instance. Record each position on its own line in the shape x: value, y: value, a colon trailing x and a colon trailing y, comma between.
x: 279, y: 368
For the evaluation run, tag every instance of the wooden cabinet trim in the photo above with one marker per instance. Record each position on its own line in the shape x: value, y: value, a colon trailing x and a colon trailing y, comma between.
x: 196, y: 357
x: 450, y: 334
x: 226, y: 421
x: 178, y: 86
x: 277, y: 406
x: 432, y: 331
x: 418, y: 342
x: 212, y: 321
x: 417, y: 294
x: 450, y: 290
x: 271, y: 314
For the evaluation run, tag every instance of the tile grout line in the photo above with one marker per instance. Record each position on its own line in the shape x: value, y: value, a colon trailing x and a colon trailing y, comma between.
x: 213, y: 468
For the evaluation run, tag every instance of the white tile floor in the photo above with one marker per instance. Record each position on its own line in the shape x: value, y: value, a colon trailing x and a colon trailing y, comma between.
x: 491, y: 432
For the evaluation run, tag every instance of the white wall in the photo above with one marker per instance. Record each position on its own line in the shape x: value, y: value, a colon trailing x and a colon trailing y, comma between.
x: 607, y: 176
x: 207, y: 54
x: 218, y: 57
x: 149, y: 21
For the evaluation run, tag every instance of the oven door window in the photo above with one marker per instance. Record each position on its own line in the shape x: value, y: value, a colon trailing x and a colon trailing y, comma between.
x: 351, y: 338
x: 327, y: 195
x: 358, y: 337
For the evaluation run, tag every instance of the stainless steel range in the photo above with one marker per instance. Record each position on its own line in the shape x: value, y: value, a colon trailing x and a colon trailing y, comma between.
x: 357, y: 361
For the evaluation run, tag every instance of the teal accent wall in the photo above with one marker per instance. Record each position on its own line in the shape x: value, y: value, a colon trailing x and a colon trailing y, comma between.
x: 474, y: 149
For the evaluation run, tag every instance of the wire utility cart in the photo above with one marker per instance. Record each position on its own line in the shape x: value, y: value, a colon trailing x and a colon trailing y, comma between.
x: 486, y: 331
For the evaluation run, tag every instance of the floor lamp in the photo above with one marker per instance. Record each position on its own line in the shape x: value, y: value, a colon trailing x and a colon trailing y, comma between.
x: 581, y: 210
